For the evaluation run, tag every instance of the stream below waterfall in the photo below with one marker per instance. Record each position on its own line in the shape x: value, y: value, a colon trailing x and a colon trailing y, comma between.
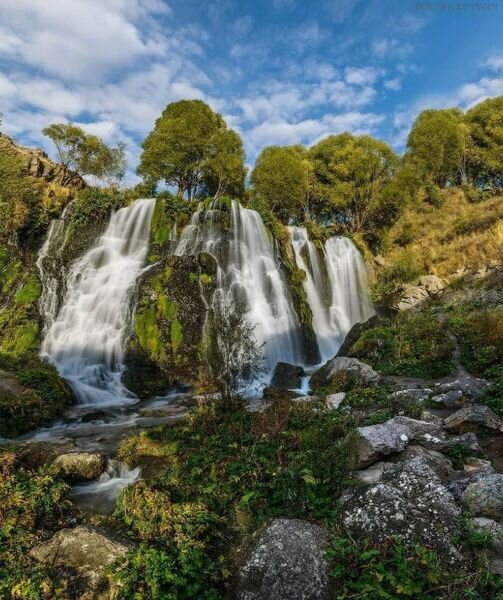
x: 86, y: 325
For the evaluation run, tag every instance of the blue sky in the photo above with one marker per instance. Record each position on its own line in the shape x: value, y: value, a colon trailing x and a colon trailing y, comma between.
x: 280, y: 71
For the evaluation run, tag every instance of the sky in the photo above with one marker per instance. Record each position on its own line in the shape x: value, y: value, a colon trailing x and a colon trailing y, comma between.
x: 279, y: 71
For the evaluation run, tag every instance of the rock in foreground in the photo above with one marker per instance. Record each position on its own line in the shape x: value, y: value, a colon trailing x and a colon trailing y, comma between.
x: 287, y: 376
x: 287, y: 563
x: 362, y: 372
x: 79, y: 466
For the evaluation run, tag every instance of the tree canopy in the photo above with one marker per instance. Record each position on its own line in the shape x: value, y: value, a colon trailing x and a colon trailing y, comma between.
x: 281, y: 177
x: 191, y: 149
x: 85, y: 154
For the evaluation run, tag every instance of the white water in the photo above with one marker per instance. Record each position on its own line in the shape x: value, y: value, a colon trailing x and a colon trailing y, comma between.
x: 100, y: 496
x: 248, y: 270
x: 336, y: 287
x: 85, y: 341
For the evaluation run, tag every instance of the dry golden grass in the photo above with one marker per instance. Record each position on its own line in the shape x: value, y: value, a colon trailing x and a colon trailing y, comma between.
x: 457, y: 235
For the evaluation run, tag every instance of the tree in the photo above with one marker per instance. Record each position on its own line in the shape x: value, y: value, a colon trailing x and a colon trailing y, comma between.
x: 437, y: 146
x: 485, y: 161
x: 351, y: 173
x: 231, y: 352
x: 84, y: 154
x: 281, y: 177
x: 191, y: 148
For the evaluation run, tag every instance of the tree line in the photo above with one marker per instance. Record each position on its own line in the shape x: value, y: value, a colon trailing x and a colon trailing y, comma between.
x: 354, y: 182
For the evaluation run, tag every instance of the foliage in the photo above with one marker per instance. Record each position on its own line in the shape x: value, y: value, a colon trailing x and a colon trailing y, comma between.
x: 84, y: 154
x: 394, y: 570
x: 228, y: 472
x: 31, y: 502
x: 404, y: 269
x: 414, y: 345
x: 282, y: 177
x: 351, y: 174
x: 231, y: 353
x: 20, y: 204
x: 45, y: 397
x: 437, y: 146
x: 96, y: 204
x: 191, y: 148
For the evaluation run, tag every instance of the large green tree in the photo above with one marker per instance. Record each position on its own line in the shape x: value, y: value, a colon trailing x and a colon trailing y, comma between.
x: 438, y: 146
x: 485, y: 124
x: 352, y: 175
x: 191, y: 148
x: 84, y: 154
x: 282, y: 178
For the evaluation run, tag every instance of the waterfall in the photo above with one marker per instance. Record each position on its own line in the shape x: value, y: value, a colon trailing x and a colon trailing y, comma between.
x: 336, y: 287
x: 247, y: 269
x: 47, y: 264
x: 85, y: 341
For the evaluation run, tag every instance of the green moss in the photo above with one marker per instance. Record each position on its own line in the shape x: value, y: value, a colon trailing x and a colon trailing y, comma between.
x: 160, y: 227
x: 193, y: 277
x: 148, y: 333
x: 205, y: 279
x: 176, y: 335
x: 20, y: 339
x: 29, y: 292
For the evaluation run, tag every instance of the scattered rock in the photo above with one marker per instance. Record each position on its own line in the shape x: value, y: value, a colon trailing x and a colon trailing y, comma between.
x: 287, y: 562
x: 374, y: 473
x: 437, y: 461
x: 412, y: 296
x: 474, y: 418
x: 37, y: 453
x: 470, y: 387
x: 448, y: 399
x: 432, y: 284
x: 364, y: 373
x: 494, y: 529
x: 287, y: 376
x: 409, y: 502
x: 474, y: 465
x: 416, y: 394
x: 484, y: 497
x: 355, y: 333
x: 79, y: 466
x: 374, y: 442
x: 333, y: 401
x: 88, y: 550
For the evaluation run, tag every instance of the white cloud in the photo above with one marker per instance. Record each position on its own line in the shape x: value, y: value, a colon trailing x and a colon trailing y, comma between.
x: 495, y: 62
x: 390, y: 48
x: 393, y: 85
x: 361, y: 75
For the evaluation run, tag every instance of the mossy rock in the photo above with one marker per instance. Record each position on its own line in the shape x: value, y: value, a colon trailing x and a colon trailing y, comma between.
x: 172, y: 301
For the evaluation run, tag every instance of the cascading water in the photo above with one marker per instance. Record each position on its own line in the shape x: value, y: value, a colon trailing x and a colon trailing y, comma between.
x: 85, y: 340
x: 248, y: 269
x: 336, y: 287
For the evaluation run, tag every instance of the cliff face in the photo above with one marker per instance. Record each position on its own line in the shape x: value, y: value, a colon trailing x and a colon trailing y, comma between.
x: 39, y: 165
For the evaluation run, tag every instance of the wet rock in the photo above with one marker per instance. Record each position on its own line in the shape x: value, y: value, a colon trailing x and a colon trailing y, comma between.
x: 287, y: 376
x: 474, y: 418
x: 333, y: 401
x: 484, y: 497
x: 288, y: 562
x: 79, y: 466
x: 89, y: 551
x: 37, y: 453
x: 362, y: 372
x: 409, y: 502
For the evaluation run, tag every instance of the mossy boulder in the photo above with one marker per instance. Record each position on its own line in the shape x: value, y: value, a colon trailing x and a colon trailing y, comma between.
x: 172, y: 302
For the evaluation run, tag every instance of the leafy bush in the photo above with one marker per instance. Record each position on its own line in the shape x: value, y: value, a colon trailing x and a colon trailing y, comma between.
x: 394, y: 570
x: 415, y: 345
x: 433, y: 195
x: 404, y: 269
x: 31, y: 503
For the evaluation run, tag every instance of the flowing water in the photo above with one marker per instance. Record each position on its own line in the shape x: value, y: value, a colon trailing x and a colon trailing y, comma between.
x: 247, y: 269
x: 85, y: 339
x: 336, y: 287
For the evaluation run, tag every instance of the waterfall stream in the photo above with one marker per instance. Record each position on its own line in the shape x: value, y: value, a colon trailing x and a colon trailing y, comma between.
x: 85, y: 339
x: 247, y: 269
x: 336, y: 287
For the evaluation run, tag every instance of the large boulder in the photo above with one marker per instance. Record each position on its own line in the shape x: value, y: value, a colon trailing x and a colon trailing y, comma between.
x: 362, y: 372
x: 474, y: 418
x: 411, y: 296
x: 409, y: 502
x: 484, y: 497
x: 79, y: 466
x: 287, y: 376
x: 355, y: 333
x: 86, y: 550
x: 287, y: 562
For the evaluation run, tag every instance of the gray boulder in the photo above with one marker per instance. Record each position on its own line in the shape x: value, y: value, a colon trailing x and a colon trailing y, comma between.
x: 79, y: 466
x: 362, y: 372
x: 484, y: 497
x: 287, y: 376
x: 355, y: 333
x: 469, y: 387
x: 409, y: 502
x: 288, y: 562
x: 448, y: 399
x: 474, y: 418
